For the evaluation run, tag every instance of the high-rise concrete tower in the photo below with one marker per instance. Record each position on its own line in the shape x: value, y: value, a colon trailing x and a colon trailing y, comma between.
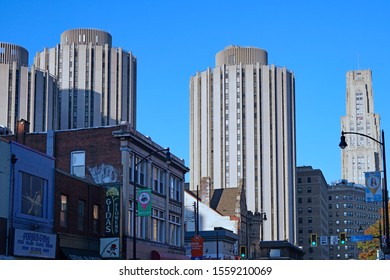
x: 242, y: 133
x: 25, y: 94
x: 97, y: 82
x: 361, y: 154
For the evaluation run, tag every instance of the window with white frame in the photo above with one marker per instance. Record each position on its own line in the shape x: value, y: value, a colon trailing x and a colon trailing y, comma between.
x: 77, y: 163
x: 141, y: 223
x: 162, y: 182
x: 130, y: 218
x: 158, y: 226
x: 174, y: 230
x: 175, y: 188
x: 140, y: 172
x: 157, y: 178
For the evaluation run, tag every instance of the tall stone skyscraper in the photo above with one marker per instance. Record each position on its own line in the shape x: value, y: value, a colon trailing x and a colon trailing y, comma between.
x: 242, y: 133
x: 361, y: 154
x: 97, y: 82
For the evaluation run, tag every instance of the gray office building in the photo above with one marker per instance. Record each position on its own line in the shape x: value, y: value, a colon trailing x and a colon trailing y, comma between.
x: 350, y: 213
x: 312, y: 212
x: 328, y: 210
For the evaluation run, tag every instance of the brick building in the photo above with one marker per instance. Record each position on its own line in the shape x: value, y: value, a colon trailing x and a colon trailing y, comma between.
x: 78, y: 217
x: 93, y: 158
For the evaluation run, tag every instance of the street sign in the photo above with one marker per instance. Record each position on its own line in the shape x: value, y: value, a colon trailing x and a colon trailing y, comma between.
x: 334, y: 240
x: 323, y: 240
x: 361, y: 238
x: 197, y: 246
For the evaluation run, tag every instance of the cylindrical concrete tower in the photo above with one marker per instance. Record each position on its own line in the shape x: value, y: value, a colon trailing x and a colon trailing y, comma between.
x: 10, y: 53
x: 242, y: 133
x: 234, y: 55
x: 97, y: 82
x: 85, y: 36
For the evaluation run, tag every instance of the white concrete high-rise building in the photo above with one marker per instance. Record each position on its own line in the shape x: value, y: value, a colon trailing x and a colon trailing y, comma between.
x: 242, y: 130
x: 28, y: 94
x: 361, y: 154
x: 97, y: 82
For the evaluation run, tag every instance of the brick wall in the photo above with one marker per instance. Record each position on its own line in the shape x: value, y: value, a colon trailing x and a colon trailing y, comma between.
x: 75, y: 190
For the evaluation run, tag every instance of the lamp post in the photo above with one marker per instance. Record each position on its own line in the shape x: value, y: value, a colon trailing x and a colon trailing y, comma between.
x: 168, y: 160
x: 385, y: 199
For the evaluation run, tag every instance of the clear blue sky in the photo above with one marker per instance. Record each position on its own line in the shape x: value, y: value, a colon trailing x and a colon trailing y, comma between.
x: 318, y: 40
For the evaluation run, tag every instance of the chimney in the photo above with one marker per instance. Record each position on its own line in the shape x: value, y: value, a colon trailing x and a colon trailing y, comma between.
x: 22, y: 128
x: 205, y: 191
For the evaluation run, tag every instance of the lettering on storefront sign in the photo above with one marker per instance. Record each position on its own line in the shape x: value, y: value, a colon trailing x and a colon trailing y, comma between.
x: 112, y: 224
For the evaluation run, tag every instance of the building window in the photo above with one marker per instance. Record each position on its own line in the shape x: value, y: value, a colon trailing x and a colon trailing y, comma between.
x: 81, y: 215
x: 308, y: 189
x: 142, y: 224
x: 175, y: 189
x: 130, y: 218
x: 33, y: 193
x: 158, y: 226
x: 64, y: 211
x: 77, y: 162
x: 158, y: 180
x: 95, y: 216
x: 174, y: 230
x: 140, y: 171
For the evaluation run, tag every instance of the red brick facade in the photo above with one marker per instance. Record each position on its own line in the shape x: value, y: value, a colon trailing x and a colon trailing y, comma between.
x: 75, y: 189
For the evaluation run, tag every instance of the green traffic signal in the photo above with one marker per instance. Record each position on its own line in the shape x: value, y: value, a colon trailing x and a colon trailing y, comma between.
x: 343, y: 238
x: 313, y: 240
x: 243, y: 251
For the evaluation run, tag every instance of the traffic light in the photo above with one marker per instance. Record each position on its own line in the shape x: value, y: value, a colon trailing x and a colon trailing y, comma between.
x: 243, y: 252
x: 313, y: 240
x: 343, y: 238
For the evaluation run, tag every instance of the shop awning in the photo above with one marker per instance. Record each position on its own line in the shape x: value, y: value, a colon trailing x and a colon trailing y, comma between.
x: 155, y: 255
x: 78, y: 254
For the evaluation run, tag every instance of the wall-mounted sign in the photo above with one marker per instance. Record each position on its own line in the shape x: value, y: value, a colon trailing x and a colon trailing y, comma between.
x: 35, y: 244
x: 109, y: 247
x: 112, y: 219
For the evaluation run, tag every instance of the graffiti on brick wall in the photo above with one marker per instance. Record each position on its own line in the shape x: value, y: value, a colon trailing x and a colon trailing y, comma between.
x: 104, y: 173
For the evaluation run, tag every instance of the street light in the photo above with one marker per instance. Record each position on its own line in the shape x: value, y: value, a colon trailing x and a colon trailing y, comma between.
x: 168, y: 161
x: 343, y: 144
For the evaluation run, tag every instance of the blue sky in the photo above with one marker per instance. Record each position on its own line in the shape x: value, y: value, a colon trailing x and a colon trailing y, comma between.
x: 318, y: 40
